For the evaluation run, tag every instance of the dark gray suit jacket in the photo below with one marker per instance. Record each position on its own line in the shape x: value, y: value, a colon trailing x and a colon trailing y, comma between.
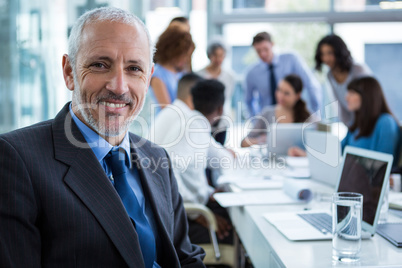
x: 58, y: 209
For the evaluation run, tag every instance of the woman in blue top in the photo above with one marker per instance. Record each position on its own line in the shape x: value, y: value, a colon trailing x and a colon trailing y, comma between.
x: 374, y: 126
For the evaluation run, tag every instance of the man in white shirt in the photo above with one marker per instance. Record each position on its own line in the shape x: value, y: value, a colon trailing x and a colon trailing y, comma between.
x: 185, y: 133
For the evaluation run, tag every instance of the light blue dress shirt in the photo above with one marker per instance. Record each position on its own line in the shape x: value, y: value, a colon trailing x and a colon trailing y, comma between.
x: 101, y: 148
x: 258, y: 89
x: 384, y: 138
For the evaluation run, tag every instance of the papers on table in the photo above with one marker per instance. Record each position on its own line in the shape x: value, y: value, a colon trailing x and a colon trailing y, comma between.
x: 253, y: 198
x: 253, y: 182
x: 297, y: 162
x: 294, y: 191
x: 395, y: 200
x: 259, y: 184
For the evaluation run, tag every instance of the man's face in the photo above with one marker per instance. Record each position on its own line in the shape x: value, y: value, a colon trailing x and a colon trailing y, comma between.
x: 112, y: 77
x: 264, y: 50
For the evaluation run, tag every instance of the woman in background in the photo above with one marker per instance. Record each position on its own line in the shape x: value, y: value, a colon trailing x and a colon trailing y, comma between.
x: 173, y: 49
x: 374, y: 127
x: 333, y: 52
x: 216, y: 53
x: 290, y: 108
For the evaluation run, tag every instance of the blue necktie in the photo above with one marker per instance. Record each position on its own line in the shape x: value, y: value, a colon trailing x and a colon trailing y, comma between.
x: 116, y: 161
x: 272, y: 81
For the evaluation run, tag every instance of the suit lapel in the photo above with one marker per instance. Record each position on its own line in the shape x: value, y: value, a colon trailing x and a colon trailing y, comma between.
x: 88, y: 181
x: 155, y: 189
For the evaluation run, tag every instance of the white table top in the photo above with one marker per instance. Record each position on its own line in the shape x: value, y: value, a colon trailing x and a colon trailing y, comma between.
x: 267, y: 247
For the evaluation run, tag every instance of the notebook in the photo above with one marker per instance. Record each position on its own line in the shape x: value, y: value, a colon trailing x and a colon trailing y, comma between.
x: 391, y: 232
x: 363, y: 171
x: 324, y: 156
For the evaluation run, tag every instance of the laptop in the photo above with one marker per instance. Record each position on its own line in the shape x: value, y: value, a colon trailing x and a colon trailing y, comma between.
x: 363, y: 171
x: 282, y: 136
x: 324, y: 156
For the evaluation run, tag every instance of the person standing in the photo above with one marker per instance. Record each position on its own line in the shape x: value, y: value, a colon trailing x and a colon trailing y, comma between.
x: 333, y: 52
x: 262, y: 78
x: 173, y: 49
x: 216, y: 53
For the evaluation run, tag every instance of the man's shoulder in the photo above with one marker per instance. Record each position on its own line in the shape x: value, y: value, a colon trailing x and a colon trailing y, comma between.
x: 146, y: 145
x: 288, y: 55
x: 30, y: 132
x: 255, y: 68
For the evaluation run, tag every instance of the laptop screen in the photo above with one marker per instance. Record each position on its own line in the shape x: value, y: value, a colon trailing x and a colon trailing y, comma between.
x: 364, y: 175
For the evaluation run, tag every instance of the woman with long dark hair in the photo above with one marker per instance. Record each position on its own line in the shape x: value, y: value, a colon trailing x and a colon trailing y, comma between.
x: 333, y: 52
x: 290, y: 108
x: 374, y: 127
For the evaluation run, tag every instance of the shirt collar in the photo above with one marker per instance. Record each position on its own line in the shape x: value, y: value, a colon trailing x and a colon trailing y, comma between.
x: 275, y: 60
x: 99, y: 145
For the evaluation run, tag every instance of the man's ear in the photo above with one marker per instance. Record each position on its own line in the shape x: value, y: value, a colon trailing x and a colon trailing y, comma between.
x: 68, y: 72
x: 150, y: 76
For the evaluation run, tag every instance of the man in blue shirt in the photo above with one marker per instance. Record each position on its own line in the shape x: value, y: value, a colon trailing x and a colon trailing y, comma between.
x: 263, y: 78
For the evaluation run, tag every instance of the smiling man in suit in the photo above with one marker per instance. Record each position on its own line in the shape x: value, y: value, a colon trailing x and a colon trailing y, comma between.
x: 80, y: 190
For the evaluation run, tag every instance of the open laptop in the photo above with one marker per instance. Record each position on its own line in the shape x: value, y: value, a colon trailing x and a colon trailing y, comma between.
x: 363, y: 171
x: 280, y: 137
x: 324, y: 156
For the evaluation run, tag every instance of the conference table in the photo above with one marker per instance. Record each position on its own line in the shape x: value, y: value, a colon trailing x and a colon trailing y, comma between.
x: 267, y: 247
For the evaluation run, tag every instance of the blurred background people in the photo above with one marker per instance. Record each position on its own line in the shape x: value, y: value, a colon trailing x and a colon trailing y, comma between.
x: 216, y: 52
x: 290, y: 108
x: 333, y: 52
x: 181, y: 22
x: 184, y: 130
x: 374, y: 126
x: 173, y: 49
x: 262, y: 78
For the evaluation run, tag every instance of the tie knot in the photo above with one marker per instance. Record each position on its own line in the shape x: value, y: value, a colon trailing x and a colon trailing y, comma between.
x: 271, y: 66
x: 115, y: 159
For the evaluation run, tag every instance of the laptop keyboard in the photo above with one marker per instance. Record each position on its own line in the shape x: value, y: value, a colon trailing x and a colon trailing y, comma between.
x: 321, y: 221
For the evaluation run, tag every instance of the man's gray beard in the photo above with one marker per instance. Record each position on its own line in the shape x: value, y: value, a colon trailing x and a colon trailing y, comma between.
x: 84, y: 111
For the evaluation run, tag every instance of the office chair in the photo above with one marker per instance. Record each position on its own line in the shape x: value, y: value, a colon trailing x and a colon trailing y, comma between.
x: 216, y: 254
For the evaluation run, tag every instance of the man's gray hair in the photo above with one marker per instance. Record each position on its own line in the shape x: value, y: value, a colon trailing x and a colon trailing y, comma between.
x: 103, y: 14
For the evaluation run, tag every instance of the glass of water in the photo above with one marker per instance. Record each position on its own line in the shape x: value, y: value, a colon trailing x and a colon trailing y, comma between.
x: 346, y: 226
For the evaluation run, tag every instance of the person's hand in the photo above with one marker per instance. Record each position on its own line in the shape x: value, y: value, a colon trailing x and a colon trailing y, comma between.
x: 223, y: 227
x: 233, y: 153
x: 296, y: 151
x: 202, y: 220
x: 217, y: 190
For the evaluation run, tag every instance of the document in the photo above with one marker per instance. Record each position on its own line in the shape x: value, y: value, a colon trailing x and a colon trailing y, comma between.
x: 294, y: 191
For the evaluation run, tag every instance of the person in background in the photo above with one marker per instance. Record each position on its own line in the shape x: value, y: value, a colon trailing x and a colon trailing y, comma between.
x: 173, y: 49
x: 183, y: 129
x: 374, y: 126
x: 290, y: 108
x: 333, y: 52
x: 80, y: 190
x: 262, y: 78
x: 184, y: 24
x: 216, y: 53
x: 181, y: 21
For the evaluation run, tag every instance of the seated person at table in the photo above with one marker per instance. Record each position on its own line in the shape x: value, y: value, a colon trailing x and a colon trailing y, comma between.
x: 290, y: 108
x: 185, y: 133
x: 374, y: 127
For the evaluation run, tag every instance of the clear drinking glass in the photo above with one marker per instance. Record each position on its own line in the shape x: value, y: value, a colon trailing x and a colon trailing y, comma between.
x: 346, y: 226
